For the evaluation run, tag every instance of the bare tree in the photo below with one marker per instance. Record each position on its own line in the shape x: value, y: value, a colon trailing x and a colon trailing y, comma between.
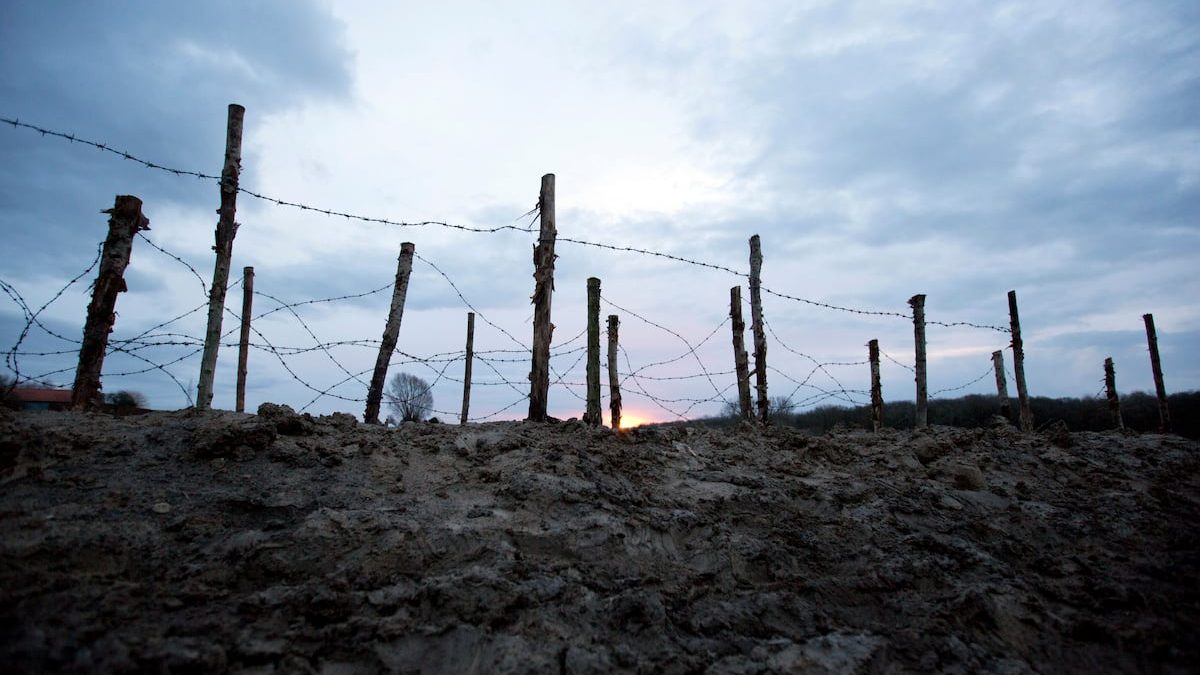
x: 409, y: 397
x: 126, y: 399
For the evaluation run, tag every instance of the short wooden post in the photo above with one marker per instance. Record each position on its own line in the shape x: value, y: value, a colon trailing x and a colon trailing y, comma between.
x: 1018, y: 347
x: 466, y: 406
x: 876, y: 386
x: 125, y: 220
x: 760, y: 331
x: 592, y: 414
x: 1164, y: 414
x: 917, y: 302
x: 391, y: 333
x: 741, y: 360
x: 226, y: 230
x: 1110, y: 388
x: 614, y: 383
x: 244, y: 342
x: 543, y: 291
x: 1001, y: 384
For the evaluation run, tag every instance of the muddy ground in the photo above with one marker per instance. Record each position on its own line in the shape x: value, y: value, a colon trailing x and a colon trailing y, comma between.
x: 179, y: 542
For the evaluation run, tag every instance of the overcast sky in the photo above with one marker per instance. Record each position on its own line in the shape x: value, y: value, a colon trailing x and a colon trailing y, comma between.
x: 880, y: 149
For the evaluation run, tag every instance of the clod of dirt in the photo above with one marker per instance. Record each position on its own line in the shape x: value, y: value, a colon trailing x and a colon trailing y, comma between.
x: 968, y: 477
x: 1058, y: 433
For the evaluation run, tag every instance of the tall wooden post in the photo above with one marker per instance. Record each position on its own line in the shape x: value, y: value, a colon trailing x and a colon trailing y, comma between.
x: 592, y: 414
x: 226, y: 230
x: 1001, y: 384
x: 244, y: 342
x: 391, y: 333
x: 467, y: 368
x: 917, y: 302
x: 1026, y: 413
x: 125, y: 220
x: 614, y: 383
x: 760, y: 331
x: 876, y: 386
x: 741, y: 360
x: 1110, y: 388
x: 1164, y: 414
x: 543, y: 291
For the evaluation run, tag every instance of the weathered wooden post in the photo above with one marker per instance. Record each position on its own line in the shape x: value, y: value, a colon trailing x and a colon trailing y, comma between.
x: 1018, y: 347
x: 1164, y: 414
x: 543, y: 291
x: 125, y: 220
x: 391, y: 333
x: 760, y: 331
x: 741, y: 360
x: 876, y: 386
x: 226, y: 230
x: 1110, y: 388
x: 244, y: 342
x: 467, y: 368
x: 592, y: 414
x: 917, y: 302
x: 1001, y: 384
x: 614, y: 383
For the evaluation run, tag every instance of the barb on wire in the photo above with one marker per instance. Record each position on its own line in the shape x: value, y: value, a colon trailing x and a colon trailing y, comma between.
x: 825, y: 305
x: 181, y: 261
x: 657, y: 254
x: 986, y: 373
x: 905, y: 366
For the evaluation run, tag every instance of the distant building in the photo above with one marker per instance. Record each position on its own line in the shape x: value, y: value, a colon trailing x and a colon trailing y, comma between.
x: 42, y: 399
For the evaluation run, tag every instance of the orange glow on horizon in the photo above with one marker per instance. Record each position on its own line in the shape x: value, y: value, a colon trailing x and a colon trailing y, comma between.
x: 630, y: 420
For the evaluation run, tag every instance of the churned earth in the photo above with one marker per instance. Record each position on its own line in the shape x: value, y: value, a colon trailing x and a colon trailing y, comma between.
x: 285, y: 543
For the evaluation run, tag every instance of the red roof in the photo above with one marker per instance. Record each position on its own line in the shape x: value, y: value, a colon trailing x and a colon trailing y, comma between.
x: 43, y: 395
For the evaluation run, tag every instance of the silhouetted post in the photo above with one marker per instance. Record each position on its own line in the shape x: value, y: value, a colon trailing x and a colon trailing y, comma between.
x: 760, y: 335
x: 1026, y: 413
x: 741, y: 360
x: 1001, y: 384
x: 226, y: 230
x: 592, y: 414
x: 1110, y: 387
x: 244, y: 342
x: 543, y: 291
x: 876, y: 386
x: 391, y: 333
x: 917, y: 302
x: 614, y: 383
x: 125, y: 220
x: 1164, y: 414
x: 467, y: 368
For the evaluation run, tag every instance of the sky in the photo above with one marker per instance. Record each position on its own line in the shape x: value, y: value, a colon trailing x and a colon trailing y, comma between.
x: 880, y: 150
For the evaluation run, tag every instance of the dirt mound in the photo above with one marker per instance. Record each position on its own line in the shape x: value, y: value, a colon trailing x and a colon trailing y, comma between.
x: 183, y: 542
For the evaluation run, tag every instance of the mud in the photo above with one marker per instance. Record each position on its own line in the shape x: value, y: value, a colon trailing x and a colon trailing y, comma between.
x: 277, y: 543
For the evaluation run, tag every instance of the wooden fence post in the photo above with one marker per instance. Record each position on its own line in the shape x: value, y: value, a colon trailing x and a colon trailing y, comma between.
x: 741, y: 360
x: 543, y: 291
x: 1110, y: 388
x: 760, y: 335
x: 244, y: 342
x: 1001, y: 384
x: 125, y: 220
x: 391, y: 333
x: 614, y: 383
x: 592, y: 414
x: 467, y: 368
x: 1026, y: 413
x: 876, y: 386
x: 1164, y: 414
x: 226, y: 230
x: 917, y: 302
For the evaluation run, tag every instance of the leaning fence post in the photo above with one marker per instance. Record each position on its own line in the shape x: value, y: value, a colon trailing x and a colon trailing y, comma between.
x: 125, y: 220
x: 390, y: 333
x: 1110, y: 388
x: 760, y: 335
x: 543, y: 291
x: 876, y: 386
x: 226, y: 230
x: 1018, y: 347
x: 467, y: 368
x: 917, y: 302
x: 614, y: 384
x: 741, y: 360
x: 1001, y: 384
x: 244, y: 342
x: 592, y: 414
x: 1164, y: 414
